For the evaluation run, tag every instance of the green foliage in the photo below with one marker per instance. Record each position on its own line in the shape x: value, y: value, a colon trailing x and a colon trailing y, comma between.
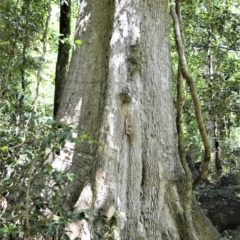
x: 78, y: 42
x: 24, y: 40
x: 32, y: 190
x: 111, y: 227
x: 212, y: 46
x: 30, y: 186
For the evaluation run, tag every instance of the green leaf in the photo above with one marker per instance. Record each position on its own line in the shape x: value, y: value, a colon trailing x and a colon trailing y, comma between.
x: 50, y: 121
x: 51, y: 228
x: 5, y: 228
x: 48, y: 168
x: 115, y: 228
x: 67, y: 134
x: 84, y: 136
x: 16, y: 230
x: 58, y: 176
x: 4, y: 148
x: 107, y: 227
x: 78, y: 42
x: 51, y: 135
x: 56, y: 218
x: 70, y: 176
x: 29, y: 155
x: 91, y: 141
x: 69, y: 213
x: 88, y: 157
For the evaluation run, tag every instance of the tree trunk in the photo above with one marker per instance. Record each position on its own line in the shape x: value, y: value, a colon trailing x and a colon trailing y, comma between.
x: 63, y: 52
x: 119, y: 92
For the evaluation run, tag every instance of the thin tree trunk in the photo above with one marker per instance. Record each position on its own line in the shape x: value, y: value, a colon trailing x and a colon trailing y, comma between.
x: 213, y: 114
x: 119, y: 92
x: 63, y: 52
x: 217, y: 149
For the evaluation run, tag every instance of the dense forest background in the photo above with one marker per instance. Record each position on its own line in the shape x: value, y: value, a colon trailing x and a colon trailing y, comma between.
x: 34, y: 58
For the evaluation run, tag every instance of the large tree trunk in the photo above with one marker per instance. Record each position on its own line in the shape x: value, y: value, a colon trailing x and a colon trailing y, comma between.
x: 119, y: 92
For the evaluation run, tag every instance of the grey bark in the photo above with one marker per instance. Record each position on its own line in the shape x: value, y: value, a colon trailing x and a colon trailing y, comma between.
x: 119, y: 92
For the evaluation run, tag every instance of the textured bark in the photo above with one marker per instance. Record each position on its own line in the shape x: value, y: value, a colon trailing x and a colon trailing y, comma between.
x: 119, y: 92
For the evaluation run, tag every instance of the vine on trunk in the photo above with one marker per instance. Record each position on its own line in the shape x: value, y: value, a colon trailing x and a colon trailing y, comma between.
x: 174, y: 9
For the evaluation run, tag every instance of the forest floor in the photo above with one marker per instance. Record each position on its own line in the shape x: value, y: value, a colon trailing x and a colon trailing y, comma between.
x: 221, y: 203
